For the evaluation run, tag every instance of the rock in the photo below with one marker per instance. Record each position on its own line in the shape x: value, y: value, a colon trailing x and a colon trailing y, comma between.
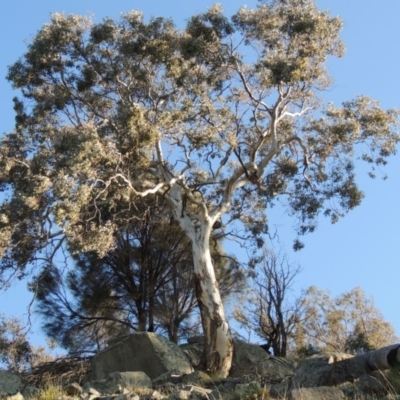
x: 197, y: 377
x: 127, y: 396
x: 30, y: 391
x: 131, y: 379
x: 167, y: 388
x: 73, y: 389
x: 168, y: 377
x: 10, y: 385
x: 255, y: 375
x: 328, y: 370
x: 180, y: 395
x: 66, y: 398
x: 117, y: 382
x: 89, y: 392
x: 369, y: 384
x: 312, y: 372
x: 144, y: 351
x: 247, y: 359
x: 155, y: 395
x: 194, y: 352
x: 192, y: 393
x: 319, y: 393
x: 252, y: 359
x: 347, y: 370
x: 17, y: 396
x: 251, y: 390
x: 198, y: 392
x: 281, y: 389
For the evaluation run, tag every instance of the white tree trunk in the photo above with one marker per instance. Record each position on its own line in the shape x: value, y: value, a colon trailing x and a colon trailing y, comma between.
x: 218, y: 346
x: 218, y: 340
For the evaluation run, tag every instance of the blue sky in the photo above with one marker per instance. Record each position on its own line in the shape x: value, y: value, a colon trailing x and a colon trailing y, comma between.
x: 360, y: 250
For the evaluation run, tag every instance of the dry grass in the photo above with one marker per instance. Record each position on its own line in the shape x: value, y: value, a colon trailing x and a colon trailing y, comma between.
x: 49, y: 391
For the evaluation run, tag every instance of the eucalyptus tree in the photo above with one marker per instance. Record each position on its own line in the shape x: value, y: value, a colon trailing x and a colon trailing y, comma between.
x: 221, y: 118
x: 348, y: 323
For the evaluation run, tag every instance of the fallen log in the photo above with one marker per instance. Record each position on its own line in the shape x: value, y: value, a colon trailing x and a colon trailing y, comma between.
x: 352, y: 368
x: 384, y: 358
x: 340, y: 368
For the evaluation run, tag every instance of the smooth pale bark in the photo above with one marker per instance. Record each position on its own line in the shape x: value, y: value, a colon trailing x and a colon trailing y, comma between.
x: 218, y: 346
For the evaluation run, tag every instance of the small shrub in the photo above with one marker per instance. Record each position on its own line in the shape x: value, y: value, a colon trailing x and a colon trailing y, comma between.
x: 393, y: 376
x: 49, y: 392
x: 251, y: 391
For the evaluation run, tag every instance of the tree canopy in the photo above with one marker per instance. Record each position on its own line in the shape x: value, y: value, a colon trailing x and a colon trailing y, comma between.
x: 221, y: 119
x: 347, y: 323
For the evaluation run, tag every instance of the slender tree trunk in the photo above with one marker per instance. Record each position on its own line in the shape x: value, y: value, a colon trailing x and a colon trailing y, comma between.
x: 218, y: 345
x: 152, y: 295
x: 218, y: 340
x: 142, y: 316
x: 175, y: 331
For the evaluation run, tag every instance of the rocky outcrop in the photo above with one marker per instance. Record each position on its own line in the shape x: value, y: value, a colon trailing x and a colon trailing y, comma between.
x: 117, y: 381
x: 164, y: 374
x: 144, y: 351
x: 248, y: 359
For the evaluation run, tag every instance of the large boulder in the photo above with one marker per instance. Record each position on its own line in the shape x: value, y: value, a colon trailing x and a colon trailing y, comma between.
x: 252, y: 359
x: 248, y: 359
x: 118, y: 381
x: 312, y: 372
x: 10, y: 385
x: 328, y: 370
x: 144, y: 351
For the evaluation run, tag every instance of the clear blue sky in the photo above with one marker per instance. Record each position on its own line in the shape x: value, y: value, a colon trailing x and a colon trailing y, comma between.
x: 360, y: 250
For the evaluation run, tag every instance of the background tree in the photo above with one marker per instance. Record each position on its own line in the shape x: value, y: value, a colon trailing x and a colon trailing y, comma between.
x: 221, y: 119
x: 348, y: 323
x: 272, y: 312
x: 16, y: 353
x: 144, y: 284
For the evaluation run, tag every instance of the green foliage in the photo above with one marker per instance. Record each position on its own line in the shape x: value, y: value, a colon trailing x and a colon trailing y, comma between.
x: 221, y: 119
x: 357, y: 343
x: 98, y: 100
x: 144, y: 284
x: 307, y: 351
x: 16, y: 353
x: 15, y: 350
